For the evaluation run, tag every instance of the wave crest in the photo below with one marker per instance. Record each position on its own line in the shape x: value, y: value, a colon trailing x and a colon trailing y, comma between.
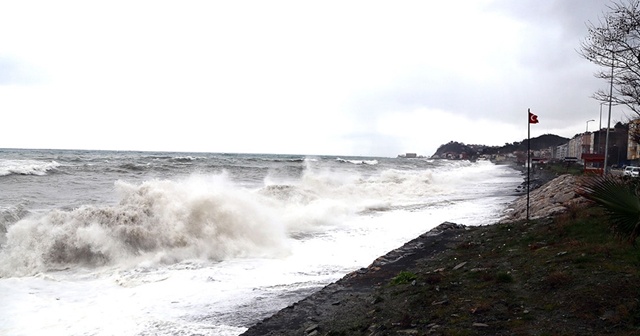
x: 163, y: 221
x: 358, y: 162
x: 26, y: 167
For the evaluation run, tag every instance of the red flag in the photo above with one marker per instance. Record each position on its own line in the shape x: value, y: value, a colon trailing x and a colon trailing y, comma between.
x: 533, y: 119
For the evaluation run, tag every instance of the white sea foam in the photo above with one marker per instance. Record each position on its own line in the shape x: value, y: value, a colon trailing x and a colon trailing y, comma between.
x: 168, y: 221
x: 359, y: 162
x: 204, y: 217
x: 26, y: 167
x: 207, y: 254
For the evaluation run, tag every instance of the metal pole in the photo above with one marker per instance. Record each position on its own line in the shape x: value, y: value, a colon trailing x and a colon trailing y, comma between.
x: 600, y: 129
x: 585, y: 135
x: 528, y: 156
x: 587, y: 129
x: 606, y: 141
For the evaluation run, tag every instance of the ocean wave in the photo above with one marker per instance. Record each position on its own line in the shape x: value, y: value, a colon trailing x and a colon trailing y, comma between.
x: 160, y: 221
x: 274, y: 159
x: 288, y: 193
x: 210, y: 217
x: 134, y: 166
x: 358, y: 162
x: 187, y: 158
x: 26, y: 167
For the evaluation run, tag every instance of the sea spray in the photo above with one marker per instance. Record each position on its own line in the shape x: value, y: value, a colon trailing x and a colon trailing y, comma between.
x: 26, y: 167
x: 209, y: 243
x: 201, y: 217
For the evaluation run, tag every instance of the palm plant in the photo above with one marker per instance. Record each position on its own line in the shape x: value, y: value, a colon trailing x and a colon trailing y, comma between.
x: 619, y: 197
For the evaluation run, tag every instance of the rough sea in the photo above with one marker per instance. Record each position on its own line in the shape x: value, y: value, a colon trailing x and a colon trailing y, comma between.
x: 156, y: 243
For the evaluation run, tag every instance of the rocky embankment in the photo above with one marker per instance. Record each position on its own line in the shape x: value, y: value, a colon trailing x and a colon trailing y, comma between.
x: 362, y: 303
x: 553, y: 197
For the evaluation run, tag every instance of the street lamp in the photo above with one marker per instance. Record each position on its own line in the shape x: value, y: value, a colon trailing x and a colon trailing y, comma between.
x: 606, y: 142
x: 585, y: 135
x: 588, y: 121
x: 600, y: 128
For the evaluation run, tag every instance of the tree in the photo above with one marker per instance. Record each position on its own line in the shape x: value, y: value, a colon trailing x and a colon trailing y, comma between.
x: 614, y: 44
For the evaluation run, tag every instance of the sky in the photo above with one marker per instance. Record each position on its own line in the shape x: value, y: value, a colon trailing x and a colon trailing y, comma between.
x: 367, y: 78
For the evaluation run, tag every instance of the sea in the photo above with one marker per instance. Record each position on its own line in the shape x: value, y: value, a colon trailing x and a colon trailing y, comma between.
x: 165, y: 243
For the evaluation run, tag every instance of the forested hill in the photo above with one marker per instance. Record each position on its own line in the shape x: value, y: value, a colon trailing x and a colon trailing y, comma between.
x: 537, y: 143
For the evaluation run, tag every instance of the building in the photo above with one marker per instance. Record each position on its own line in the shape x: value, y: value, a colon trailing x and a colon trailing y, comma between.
x: 561, y: 152
x: 633, y: 148
x: 587, y: 143
x: 574, y: 147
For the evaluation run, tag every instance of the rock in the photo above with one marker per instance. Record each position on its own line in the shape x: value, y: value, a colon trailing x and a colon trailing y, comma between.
x: 481, y: 325
x: 439, y: 302
x: 554, y: 197
x: 458, y: 266
x: 445, y: 226
x: 312, y: 328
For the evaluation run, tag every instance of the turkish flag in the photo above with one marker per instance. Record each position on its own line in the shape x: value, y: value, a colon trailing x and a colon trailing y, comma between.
x: 533, y: 119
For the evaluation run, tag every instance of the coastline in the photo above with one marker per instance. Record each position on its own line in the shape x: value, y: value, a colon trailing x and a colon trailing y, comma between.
x: 360, y: 303
x: 354, y: 293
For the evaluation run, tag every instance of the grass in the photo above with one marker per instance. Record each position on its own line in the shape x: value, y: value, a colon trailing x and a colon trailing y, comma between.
x: 563, y: 276
x: 559, y: 168
x: 403, y: 277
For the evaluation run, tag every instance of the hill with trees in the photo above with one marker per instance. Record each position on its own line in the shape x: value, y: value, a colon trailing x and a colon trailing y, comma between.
x: 470, y: 151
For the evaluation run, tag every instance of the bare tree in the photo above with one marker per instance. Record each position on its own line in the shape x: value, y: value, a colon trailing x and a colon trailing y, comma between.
x: 614, y: 44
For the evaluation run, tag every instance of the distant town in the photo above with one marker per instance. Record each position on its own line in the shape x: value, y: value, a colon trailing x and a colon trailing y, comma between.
x: 586, y: 148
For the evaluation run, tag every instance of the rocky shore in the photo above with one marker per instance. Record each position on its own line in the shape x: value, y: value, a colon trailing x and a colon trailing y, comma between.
x: 447, y: 280
x: 354, y: 293
x: 553, y: 196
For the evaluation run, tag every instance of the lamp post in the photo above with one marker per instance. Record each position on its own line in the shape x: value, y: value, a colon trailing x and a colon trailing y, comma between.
x: 606, y: 141
x: 585, y: 135
x: 600, y: 129
x: 588, y: 121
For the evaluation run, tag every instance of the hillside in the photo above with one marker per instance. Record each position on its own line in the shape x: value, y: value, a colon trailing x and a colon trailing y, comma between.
x: 537, y: 143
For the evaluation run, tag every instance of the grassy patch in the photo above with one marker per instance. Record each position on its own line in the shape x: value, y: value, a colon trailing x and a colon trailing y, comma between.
x: 404, y: 277
x: 566, y: 275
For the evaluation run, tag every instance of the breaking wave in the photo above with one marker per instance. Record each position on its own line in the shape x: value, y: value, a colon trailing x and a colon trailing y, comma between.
x: 26, y: 167
x: 209, y: 217
x: 358, y: 162
x: 162, y: 221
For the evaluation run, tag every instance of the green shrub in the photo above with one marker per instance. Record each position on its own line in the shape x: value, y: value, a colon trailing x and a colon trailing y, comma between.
x: 403, y: 277
x: 620, y: 201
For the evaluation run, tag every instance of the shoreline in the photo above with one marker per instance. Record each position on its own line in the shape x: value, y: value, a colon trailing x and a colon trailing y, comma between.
x: 355, y: 293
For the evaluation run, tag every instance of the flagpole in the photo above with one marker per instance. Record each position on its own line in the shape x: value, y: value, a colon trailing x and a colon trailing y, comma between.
x: 528, y: 156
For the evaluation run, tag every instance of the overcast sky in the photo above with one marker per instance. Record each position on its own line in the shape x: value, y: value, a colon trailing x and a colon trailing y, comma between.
x: 373, y: 78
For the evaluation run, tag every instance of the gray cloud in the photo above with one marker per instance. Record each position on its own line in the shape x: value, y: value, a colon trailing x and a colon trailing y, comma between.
x: 550, y: 75
x: 348, y: 78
